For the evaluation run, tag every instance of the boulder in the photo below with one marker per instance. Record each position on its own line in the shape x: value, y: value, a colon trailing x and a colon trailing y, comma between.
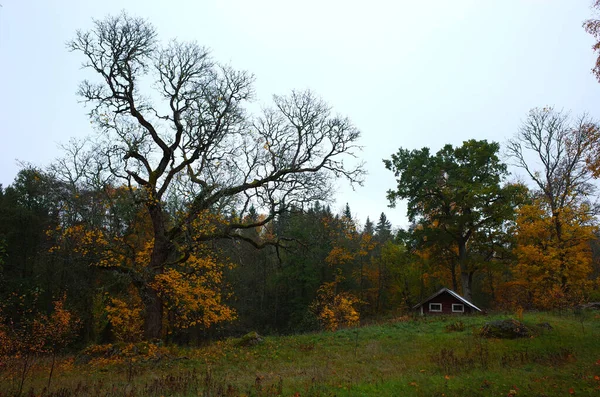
x: 505, y: 329
x: 545, y: 326
x: 250, y: 339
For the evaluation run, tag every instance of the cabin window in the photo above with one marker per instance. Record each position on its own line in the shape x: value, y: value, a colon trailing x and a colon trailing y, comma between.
x: 458, y: 308
x: 435, y: 307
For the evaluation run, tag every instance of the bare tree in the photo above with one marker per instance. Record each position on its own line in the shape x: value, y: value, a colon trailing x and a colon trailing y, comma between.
x: 592, y: 26
x: 191, y: 138
x: 553, y: 149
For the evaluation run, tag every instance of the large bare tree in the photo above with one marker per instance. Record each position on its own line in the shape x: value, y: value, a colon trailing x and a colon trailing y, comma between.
x: 190, y: 139
x: 554, y: 150
x: 592, y: 26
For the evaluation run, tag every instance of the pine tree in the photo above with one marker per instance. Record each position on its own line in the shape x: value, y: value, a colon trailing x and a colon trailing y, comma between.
x: 369, y: 228
x: 383, y: 230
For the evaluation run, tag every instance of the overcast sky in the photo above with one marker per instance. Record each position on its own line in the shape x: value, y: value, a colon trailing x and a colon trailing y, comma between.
x: 409, y: 73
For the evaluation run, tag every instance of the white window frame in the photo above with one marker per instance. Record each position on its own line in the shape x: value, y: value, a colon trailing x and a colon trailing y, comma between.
x: 462, y: 308
x: 435, y: 311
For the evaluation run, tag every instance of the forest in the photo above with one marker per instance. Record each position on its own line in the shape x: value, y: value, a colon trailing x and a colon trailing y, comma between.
x: 187, y: 218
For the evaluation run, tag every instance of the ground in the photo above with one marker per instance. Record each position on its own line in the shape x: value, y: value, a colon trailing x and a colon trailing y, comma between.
x: 435, y: 356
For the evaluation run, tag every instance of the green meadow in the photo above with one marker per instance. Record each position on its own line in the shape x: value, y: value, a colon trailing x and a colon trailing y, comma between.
x: 434, y: 356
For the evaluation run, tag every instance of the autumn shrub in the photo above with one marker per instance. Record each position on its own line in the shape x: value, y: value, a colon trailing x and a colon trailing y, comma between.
x: 125, y: 317
x: 335, y: 309
x: 594, y: 293
x: 192, y: 294
x: 39, y: 334
x: 127, y: 355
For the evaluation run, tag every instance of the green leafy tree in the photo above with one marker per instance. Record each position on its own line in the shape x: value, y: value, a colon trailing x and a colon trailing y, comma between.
x: 456, y: 198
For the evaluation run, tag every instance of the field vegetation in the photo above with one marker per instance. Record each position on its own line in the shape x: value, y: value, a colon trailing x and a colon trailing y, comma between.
x: 434, y: 356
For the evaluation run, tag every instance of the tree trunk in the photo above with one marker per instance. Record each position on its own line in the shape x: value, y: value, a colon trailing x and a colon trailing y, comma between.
x: 161, y: 250
x: 453, y: 273
x: 466, y: 277
x: 153, y: 318
x: 407, y: 300
x: 561, y: 251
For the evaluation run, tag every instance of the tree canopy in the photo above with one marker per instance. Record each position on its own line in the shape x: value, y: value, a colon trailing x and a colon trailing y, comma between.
x: 189, y: 146
x: 456, y: 199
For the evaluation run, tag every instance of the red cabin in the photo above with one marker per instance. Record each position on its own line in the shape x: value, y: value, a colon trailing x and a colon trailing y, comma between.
x: 446, y: 301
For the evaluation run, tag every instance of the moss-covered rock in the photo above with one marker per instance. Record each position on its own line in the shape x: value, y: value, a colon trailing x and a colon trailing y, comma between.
x: 505, y: 329
x: 250, y: 339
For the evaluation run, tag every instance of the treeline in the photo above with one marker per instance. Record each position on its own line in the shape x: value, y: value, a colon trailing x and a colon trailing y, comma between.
x: 88, y: 246
x: 307, y: 269
x: 187, y: 217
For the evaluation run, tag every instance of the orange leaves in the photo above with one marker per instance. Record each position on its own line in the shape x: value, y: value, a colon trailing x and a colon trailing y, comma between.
x: 335, y: 309
x: 61, y: 326
x: 193, y: 293
x: 367, y: 244
x: 41, y: 334
x: 206, y: 223
x: 126, y: 317
x: 554, y: 256
x: 77, y: 238
x: 339, y: 256
x: 110, y: 354
x: 350, y: 248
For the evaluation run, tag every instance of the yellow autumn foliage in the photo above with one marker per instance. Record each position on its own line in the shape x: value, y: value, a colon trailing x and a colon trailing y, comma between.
x: 125, y: 317
x: 193, y: 293
x: 553, y: 268
x: 335, y: 309
x: 191, y: 287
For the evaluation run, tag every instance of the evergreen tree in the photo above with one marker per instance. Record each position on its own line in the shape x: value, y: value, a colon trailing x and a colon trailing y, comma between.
x: 383, y: 229
x: 369, y: 227
x: 347, y: 213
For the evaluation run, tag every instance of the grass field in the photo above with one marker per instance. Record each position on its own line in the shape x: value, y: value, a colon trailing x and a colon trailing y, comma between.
x: 405, y: 357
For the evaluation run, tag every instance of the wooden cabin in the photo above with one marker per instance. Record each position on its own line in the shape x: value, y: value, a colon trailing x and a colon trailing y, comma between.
x: 446, y: 302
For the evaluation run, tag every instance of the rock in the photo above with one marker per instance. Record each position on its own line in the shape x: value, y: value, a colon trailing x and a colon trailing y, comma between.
x: 590, y: 305
x: 505, y: 329
x: 250, y: 339
x: 545, y: 326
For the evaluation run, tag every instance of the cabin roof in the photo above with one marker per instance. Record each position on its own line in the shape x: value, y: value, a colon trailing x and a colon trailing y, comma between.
x: 454, y: 294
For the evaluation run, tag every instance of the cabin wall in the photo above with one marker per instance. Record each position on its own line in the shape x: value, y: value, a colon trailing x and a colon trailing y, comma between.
x: 446, y: 300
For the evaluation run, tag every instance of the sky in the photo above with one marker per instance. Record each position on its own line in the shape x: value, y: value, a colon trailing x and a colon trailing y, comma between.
x: 408, y: 73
